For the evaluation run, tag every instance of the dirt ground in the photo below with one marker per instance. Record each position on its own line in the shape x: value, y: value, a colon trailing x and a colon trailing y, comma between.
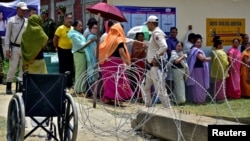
x: 91, y: 127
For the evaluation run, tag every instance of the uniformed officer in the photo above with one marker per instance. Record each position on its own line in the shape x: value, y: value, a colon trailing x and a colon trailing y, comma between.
x: 15, y: 28
x: 61, y: 12
x: 49, y: 28
x: 154, y: 75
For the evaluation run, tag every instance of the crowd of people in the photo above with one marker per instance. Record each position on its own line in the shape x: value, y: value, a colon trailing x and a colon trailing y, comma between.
x: 176, y: 71
x: 26, y: 38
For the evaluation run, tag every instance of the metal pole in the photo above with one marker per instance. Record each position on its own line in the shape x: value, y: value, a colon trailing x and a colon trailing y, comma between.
x: 52, y: 9
x: 97, y: 60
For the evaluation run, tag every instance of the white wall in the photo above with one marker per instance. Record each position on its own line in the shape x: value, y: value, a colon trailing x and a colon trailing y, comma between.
x: 195, y: 12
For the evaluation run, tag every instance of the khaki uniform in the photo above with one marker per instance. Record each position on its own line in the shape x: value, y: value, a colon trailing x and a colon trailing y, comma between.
x: 12, y: 30
x: 157, y: 45
x: 49, y: 28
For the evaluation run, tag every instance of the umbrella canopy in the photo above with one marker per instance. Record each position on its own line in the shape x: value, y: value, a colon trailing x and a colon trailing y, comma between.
x: 107, y: 11
x: 137, y: 29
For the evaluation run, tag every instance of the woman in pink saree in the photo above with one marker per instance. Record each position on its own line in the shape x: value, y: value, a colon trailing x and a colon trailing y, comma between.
x: 113, y: 58
x: 233, y: 81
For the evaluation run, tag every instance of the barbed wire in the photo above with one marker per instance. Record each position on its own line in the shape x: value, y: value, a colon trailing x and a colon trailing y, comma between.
x: 115, y: 120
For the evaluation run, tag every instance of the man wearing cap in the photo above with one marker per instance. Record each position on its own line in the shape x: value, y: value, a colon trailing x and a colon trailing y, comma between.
x: 49, y: 28
x: 61, y: 12
x: 15, y: 27
x: 154, y: 75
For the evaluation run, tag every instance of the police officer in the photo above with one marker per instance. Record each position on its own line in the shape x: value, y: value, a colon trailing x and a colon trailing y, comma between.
x: 15, y: 28
x: 154, y: 75
x: 61, y: 12
x: 49, y: 28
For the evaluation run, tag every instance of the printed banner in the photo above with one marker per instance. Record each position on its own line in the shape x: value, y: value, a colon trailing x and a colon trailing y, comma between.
x: 138, y: 16
x: 8, y: 9
x: 226, y: 28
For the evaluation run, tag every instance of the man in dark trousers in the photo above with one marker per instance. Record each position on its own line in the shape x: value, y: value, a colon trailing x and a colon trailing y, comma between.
x: 15, y: 28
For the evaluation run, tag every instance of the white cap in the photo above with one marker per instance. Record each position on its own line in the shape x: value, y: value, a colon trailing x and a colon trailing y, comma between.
x: 22, y: 5
x: 152, y: 18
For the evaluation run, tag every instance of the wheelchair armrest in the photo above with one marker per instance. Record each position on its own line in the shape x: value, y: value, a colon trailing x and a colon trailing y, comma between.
x: 19, y: 79
x: 67, y: 73
x: 19, y: 84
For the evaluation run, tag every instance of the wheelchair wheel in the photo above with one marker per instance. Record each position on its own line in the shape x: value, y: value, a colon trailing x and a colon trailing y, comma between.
x: 68, y: 123
x: 16, y: 119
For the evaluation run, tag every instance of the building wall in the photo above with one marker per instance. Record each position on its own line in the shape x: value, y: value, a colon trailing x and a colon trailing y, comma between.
x: 195, y: 12
x: 78, y: 10
x: 73, y: 6
x: 77, y: 7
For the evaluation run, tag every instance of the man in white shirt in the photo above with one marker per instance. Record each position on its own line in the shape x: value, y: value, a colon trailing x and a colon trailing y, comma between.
x: 15, y: 27
x: 189, y: 40
x: 155, y: 76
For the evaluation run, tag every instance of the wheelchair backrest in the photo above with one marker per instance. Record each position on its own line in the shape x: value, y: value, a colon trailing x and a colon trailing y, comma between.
x: 44, y: 94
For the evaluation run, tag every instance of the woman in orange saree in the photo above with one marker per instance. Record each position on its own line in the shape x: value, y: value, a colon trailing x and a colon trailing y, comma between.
x: 245, y: 72
x: 113, y: 58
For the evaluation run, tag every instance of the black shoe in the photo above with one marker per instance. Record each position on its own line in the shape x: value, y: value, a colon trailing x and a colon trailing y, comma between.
x: 8, y: 88
x: 9, y: 92
x: 1, y: 78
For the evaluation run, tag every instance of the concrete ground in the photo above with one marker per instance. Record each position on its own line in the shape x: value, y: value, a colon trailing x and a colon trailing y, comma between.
x: 94, y: 124
x: 113, y: 123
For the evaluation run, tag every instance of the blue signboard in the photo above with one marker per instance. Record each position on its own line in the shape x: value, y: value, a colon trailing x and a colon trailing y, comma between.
x: 8, y: 9
x: 138, y: 15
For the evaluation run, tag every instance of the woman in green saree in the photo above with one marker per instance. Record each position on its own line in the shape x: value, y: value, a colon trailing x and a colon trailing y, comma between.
x: 33, y: 41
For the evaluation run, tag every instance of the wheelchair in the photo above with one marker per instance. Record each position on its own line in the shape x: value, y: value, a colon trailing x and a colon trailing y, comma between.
x: 43, y: 95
